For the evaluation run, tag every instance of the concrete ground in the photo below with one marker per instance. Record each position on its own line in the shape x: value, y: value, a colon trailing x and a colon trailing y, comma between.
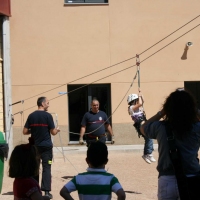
x: 138, y: 178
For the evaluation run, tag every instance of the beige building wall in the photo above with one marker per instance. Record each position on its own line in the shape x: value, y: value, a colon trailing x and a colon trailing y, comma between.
x: 53, y: 44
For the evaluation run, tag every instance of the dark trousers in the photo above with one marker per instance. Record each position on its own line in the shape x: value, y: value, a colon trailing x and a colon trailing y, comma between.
x: 46, y: 155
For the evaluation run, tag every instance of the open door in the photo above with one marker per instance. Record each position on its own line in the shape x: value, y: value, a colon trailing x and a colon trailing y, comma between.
x: 79, y: 103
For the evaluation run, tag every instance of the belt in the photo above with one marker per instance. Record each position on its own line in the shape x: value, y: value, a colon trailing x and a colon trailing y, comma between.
x: 96, y: 136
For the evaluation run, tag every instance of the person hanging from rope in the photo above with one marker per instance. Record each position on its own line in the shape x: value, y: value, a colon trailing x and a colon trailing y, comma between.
x: 136, y: 110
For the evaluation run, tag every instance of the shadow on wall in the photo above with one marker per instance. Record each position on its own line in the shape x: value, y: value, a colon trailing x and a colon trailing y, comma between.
x: 184, y: 56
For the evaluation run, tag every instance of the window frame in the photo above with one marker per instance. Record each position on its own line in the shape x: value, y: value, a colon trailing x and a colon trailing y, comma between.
x: 85, y: 2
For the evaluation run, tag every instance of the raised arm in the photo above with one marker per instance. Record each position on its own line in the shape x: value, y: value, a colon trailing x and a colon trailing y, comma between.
x: 154, y: 118
x: 141, y: 100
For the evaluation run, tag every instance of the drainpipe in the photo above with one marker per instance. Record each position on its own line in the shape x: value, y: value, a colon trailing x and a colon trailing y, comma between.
x: 7, y: 84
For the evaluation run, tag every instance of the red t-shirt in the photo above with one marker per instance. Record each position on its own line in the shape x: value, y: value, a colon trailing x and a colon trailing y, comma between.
x: 24, y: 187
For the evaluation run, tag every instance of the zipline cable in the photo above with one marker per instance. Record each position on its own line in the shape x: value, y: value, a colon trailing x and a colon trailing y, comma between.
x: 169, y: 34
x: 169, y: 43
x: 122, y: 69
x: 113, y: 64
x: 113, y: 111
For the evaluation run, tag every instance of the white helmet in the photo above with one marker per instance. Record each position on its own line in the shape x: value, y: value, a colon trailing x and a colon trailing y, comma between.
x: 132, y: 97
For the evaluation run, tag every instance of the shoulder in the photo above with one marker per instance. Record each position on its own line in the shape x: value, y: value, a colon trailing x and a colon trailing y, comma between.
x: 102, y: 112
x: 87, y: 114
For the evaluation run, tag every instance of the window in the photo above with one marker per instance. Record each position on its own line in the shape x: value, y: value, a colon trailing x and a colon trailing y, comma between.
x: 86, y: 1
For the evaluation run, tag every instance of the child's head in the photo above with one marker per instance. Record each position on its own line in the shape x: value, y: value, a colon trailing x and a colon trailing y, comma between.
x: 97, y: 154
x: 24, y: 161
x: 132, y: 99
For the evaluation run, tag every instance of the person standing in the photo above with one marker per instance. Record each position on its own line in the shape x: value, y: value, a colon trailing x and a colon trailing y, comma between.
x: 96, y: 183
x: 94, y: 124
x: 135, y: 109
x: 179, y: 113
x: 41, y: 126
x: 23, y: 168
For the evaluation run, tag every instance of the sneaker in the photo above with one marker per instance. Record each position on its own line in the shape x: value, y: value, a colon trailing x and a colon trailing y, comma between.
x: 47, y: 193
x: 146, y: 158
x: 151, y: 158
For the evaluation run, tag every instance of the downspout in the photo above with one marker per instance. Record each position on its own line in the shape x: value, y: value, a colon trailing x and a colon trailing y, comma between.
x: 7, y: 84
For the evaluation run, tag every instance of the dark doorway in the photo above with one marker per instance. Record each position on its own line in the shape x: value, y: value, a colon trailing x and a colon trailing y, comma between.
x: 79, y: 100
x: 194, y: 88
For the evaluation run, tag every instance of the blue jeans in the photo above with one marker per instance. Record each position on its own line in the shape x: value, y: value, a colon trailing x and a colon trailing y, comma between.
x: 168, y: 188
x: 148, y: 145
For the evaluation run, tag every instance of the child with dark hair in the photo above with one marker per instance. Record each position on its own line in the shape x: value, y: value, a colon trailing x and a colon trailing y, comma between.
x: 23, y: 166
x: 96, y: 183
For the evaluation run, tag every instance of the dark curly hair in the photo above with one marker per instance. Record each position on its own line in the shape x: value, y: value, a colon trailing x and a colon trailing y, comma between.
x: 180, y: 110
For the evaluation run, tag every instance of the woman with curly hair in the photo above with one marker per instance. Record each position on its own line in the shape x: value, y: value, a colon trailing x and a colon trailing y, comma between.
x: 181, y: 116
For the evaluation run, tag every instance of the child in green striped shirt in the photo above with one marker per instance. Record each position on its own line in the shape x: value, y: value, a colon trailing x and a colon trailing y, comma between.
x: 96, y: 183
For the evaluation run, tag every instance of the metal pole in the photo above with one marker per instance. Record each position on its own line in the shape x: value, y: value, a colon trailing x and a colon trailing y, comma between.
x: 7, y: 84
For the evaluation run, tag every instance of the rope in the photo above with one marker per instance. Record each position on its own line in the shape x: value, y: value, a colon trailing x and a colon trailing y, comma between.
x: 125, y: 68
x: 114, y: 110
x: 138, y: 68
x: 116, y: 63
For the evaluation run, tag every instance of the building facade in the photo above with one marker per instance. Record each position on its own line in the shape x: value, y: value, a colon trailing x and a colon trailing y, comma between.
x: 73, y: 51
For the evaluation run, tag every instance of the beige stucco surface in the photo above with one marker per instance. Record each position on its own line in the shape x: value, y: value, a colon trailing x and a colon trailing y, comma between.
x: 53, y: 44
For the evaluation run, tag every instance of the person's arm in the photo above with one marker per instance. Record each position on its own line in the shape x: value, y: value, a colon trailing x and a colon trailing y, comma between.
x: 26, y: 131
x: 109, y: 129
x: 65, y: 194
x: 140, y: 95
x: 82, y: 132
x: 54, y: 131
x: 121, y: 194
x: 38, y: 196
x: 156, y: 117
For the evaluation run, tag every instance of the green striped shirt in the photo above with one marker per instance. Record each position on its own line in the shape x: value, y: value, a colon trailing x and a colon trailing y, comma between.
x: 95, y: 184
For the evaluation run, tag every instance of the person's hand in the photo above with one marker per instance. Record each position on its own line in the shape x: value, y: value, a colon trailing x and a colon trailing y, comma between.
x: 81, y: 141
x: 113, y: 139
x: 140, y: 93
x: 58, y: 129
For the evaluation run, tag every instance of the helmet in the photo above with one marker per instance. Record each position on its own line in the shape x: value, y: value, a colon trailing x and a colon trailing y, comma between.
x: 132, y: 97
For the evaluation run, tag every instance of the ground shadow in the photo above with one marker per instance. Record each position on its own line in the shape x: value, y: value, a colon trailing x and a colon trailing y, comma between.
x: 133, y: 192
x: 67, y: 177
x: 7, y: 193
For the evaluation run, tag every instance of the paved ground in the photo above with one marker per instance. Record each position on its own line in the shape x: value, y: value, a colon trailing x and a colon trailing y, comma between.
x: 138, y: 178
